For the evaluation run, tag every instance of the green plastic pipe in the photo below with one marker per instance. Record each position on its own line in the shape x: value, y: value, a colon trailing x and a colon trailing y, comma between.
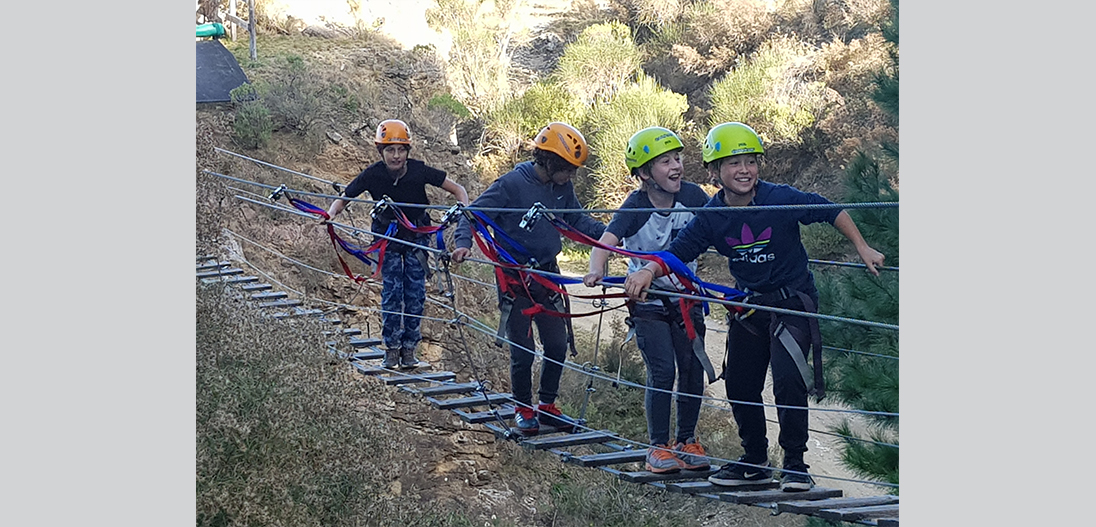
x: 212, y: 29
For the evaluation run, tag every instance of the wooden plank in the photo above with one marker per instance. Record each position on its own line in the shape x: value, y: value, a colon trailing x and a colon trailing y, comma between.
x: 207, y: 257
x: 886, y: 522
x: 298, y: 312
x: 859, y: 513
x: 209, y: 267
x: 348, y: 332
x: 366, y: 342
x: 421, y: 377
x: 367, y: 355
x: 584, y: 438
x: 444, y: 389
x: 256, y: 287
x: 366, y: 369
x: 612, y: 458
x: 644, y: 476
x: 231, y: 279
x: 505, y: 412
x: 269, y: 295
x: 221, y: 272
x: 695, y: 487
x: 469, y: 402
x: 774, y: 496
x: 280, y: 303
x: 811, y: 506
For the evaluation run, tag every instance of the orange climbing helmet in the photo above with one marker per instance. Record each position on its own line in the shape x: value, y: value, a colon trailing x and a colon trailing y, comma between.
x: 565, y: 141
x: 393, y: 132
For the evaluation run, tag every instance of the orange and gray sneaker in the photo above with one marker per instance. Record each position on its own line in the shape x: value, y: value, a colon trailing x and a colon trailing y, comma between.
x: 661, y: 460
x: 692, y: 455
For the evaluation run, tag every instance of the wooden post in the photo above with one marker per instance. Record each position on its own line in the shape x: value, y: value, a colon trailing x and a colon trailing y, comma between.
x: 232, y: 11
x: 251, y: 27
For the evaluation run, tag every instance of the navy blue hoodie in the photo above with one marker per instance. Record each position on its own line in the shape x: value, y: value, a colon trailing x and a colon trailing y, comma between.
x: 520, y: 189
x: 763, y: 248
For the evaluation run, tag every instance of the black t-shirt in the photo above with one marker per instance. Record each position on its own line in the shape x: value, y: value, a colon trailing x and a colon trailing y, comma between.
x: 409, y: 189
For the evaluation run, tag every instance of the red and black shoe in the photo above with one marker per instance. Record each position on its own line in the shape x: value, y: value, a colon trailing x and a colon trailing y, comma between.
x: 526, y: 420
x: 551, y: 416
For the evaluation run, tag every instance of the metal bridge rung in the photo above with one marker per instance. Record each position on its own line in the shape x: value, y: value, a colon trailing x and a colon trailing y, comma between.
x: 859, y: 513
x: 644, y: 476
x: 612, y: 458
x: 419, y: 377
x: 773, y: 496
x: 469, y: 402
x: 812, y: 506
x: 584, y: 438
x: 220, y: 272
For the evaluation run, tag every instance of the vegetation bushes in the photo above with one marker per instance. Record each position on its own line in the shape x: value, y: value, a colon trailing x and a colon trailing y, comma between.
x: 640, y: 104
x: 775, y: 91
x: 599, y: 62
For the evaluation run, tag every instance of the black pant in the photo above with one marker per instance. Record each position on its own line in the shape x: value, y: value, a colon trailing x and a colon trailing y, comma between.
x: 751, y: 349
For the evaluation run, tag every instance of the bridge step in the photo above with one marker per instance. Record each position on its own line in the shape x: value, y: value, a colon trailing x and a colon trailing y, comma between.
x: 612, y: 458
x: 505, y: 412
x: 419, y: 377
x: 231, y: 279
x: 772, y: 496
x: 584, y: 438
x: 813, y: 506
x: 469, y: 402
x: 706, y: 487
x: 859, y: 513
x: 366, y: 342
x: 220, y: 272
x: 256, y: 287
x: 444, y: 389
x: 644, y: 476
x: 271, y: 295
x: 211, y: 266
x: 280, y: 303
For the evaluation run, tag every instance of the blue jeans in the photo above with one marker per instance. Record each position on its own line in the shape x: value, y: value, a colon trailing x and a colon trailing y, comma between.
x: 666, y: 347
x: 404, y: 291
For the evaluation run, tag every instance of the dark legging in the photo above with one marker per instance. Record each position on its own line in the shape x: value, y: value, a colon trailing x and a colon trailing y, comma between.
x: 553, y: 336
x: 749, y: 355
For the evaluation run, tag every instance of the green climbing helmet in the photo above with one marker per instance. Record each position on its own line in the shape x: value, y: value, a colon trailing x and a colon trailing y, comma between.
x: 730, y: 139
x: 650, y: 143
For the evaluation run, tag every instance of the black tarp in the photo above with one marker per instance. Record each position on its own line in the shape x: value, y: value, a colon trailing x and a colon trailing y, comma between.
x: 218, y: 72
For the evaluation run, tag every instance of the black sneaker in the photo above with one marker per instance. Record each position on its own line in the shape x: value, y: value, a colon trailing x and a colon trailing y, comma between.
x: 796, y: 479
x: 736, y: 473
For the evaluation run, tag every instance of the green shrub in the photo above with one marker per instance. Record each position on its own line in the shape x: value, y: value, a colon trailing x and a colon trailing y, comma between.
x: 293, y: 96
x: 479, y: 59
x: 515, y: 122
x: 447, y: 102
x: 773, y: 91
x: 639, y: 105
x: 252, y: 124
x: 599, y: 62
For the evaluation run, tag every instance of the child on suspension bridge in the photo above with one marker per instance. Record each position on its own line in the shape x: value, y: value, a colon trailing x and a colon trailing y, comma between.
x: 767, y: 259
x: 403, y: 181
x: 654, y: 157
x: 559, y: 151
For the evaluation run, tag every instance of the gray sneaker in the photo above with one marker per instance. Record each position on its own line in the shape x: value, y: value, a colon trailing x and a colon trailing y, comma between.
x: 692, y: 455
x: 661, y: 459
x: 408, y: 361
x: 391, y: 358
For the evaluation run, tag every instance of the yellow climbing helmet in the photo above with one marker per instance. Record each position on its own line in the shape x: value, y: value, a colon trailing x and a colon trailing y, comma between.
x: 565, y: 141
x: 393, y: 132
x: 730, y: 139
x: 650, y: 143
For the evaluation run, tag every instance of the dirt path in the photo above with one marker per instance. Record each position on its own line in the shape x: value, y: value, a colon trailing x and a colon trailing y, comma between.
x: 823, y: 451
